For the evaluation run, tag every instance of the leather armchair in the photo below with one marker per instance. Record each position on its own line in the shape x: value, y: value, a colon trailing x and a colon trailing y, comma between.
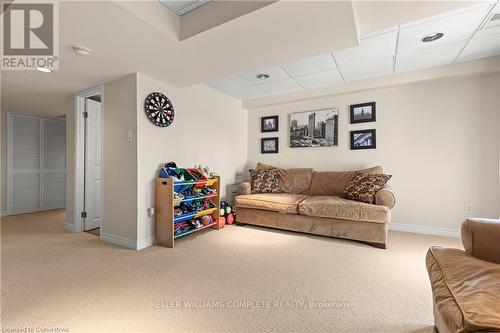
x: 481, y: 239
x: 466, y: 284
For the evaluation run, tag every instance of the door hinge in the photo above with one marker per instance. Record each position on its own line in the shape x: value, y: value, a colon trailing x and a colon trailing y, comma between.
x: 84, y: 215
x: 85, y: 114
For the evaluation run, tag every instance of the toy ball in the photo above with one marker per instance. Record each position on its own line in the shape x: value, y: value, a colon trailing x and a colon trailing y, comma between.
x: 206, y: 220
x: 230, y: 219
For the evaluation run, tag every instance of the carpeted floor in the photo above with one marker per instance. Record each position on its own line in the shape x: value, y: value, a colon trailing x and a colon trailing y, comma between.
x: 241, y: 279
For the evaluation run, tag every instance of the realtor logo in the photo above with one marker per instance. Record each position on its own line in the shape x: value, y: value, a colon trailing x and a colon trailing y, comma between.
x: 29, y: 37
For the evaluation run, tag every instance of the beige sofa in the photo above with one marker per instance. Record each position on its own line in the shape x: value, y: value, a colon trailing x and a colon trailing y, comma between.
x: 311, y: 204
x: 466, y: 284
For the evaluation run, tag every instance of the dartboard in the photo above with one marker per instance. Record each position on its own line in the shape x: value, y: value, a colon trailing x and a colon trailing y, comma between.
x: 159, y: 109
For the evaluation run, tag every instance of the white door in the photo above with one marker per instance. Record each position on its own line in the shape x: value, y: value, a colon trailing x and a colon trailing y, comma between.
x: 24, y: 158
x: 93, y: 162
x: 37, y: 164
x: 53, y: 164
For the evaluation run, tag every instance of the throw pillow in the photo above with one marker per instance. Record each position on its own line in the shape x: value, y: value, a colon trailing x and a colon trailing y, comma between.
x: 364, y: 187
x: 265, y: 181
x: 376, y: 170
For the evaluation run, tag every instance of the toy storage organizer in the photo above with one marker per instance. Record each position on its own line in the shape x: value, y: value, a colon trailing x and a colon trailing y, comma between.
x: 166, y: 204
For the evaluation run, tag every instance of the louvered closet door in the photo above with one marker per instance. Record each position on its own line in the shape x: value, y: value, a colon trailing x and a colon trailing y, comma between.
x: 26, y: 155
x: 54, y: 164
x: 38, y: 164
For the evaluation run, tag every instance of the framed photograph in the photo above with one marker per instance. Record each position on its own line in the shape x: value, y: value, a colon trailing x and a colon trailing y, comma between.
x: 314, y: 128
x: 363, y: 139
x: 363, y: 113
x: 269, y: 124
x: 269, y: 145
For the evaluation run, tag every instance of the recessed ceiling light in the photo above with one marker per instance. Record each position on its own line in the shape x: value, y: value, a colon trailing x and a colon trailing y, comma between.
x: 262, y: 76
x: 432, y: 37
x: 43, y: 69
x: 82, y: 50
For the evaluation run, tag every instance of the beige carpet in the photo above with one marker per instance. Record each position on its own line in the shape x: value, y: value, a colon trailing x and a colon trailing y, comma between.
x: 53, y: 279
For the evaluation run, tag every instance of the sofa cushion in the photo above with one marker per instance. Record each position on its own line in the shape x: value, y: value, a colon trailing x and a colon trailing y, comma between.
x: 335, y: 207
x: 466, y: 291
x: 265, y: 181
x: 364, y: 187
x: 334, y: 182
x: 296, y: 180
x: 279, y: 202
x: 330, y: 182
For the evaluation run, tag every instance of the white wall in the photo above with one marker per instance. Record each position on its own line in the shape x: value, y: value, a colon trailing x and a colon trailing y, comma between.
x: 119, y: 160
x: 119, y: 171
x: 439, y: 139
x: 209, y: 129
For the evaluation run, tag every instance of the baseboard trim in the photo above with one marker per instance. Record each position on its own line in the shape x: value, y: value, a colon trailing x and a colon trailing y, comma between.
x: 424, y: 229
x: 4, y: 213
x: 120, y: 241
x: 68, y: 227
x: 144, y: 243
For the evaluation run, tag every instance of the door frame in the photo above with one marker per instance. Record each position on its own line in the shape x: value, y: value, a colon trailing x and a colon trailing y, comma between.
x: 79, y: 136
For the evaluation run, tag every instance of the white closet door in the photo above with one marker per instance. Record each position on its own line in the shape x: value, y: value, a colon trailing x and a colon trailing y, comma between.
x: 37, y: 154
x: 25, y: 168
x: 54, y: 164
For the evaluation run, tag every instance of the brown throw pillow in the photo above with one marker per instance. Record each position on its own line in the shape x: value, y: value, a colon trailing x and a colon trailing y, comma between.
x: 265, y: 181
x: 376, y: 170
x: 364, y: 187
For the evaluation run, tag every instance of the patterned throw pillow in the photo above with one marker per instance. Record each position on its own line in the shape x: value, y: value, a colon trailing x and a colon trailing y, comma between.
x: 265, y: 181
x: 364, y: 187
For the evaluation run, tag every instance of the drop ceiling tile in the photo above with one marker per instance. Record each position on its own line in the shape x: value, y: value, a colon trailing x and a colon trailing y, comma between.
x: 184, y: 6
x: 368, y: 69
x: 488, y: 46
x: 310, y: 65
x: 429, y: 57
x: 282, y: 86
x: 373, y: 47
x: 276, y: 73
x: 457, y: 27
x: 331, y: 76
x: 237, y: 87
x: 492, y: 25
x: 492, y: 30
x: 376, y: 54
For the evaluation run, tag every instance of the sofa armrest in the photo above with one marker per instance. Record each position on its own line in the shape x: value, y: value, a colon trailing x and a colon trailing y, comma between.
x: 480, y: 238
x: 244, y: 188
x: 385, y: 197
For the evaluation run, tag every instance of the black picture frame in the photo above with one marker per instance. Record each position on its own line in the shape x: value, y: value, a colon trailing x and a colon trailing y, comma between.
x: 315, y: 128
x: 263, y: 120
x: 373, y: 144
x: 276, y: 145
x: 373, y: 114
